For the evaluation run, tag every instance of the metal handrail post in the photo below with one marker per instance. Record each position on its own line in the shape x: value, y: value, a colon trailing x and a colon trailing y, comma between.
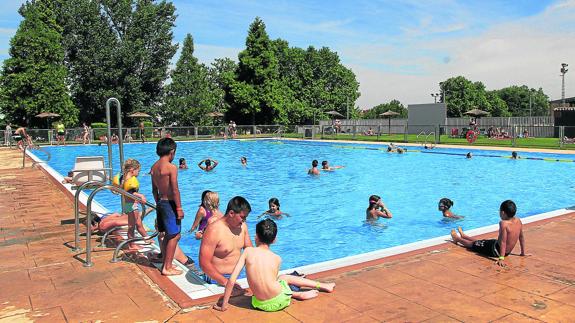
x: 77, y: 211
x: 405, y: 132
x: 24, y: 155
x: 88, y: 261
x: 120, y: 136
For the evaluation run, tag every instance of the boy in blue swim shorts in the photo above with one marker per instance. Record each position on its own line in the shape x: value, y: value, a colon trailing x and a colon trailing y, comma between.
x: 270, y: 292
x: 167, y: 197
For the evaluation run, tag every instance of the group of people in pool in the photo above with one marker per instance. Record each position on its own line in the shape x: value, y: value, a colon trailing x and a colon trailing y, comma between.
x: 226, y: 246
x: 208, y: 164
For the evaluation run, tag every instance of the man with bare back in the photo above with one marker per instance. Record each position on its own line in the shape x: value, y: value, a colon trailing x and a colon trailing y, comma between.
x: 167, y: 197
x: 223, y: 242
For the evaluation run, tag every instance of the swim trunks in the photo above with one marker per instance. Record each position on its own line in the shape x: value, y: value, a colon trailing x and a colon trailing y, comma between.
x: 210, y: 280
x: 129, y: 207
x: 61, y: 133
x: 488, y: 247
x: 167, y: 219
x: 281, y: 301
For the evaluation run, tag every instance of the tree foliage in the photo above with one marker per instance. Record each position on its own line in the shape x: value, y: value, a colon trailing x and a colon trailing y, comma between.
x: 277, y: 83
x: 118, y: 48
x: 33, y: 77
x: 525, y: 101
x: 461, y: 95
x: 190, y: 96
x: 393, y: 105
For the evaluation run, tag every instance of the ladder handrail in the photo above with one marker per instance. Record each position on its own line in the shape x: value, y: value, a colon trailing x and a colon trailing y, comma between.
x: 429, y: 134
x: 86, y: 185
x: 120, y: 134
x: 421, y: 133
x: 123, y: 193
x: 26, y: 146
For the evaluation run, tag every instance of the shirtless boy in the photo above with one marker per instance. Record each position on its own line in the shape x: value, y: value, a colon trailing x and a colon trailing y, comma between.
x: 208, y: 164
x: 325, y: 166
x: 313, y: 170
x: 270, y: 292
x: 510, y: 230
x: 167, y: 197
x: 223, y: 241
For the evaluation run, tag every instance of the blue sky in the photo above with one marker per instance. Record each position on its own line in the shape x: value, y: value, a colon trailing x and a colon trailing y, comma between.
x: 398, y: 49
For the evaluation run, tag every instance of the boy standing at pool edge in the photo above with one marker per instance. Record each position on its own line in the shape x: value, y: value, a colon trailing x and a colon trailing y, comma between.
x: 270, y: 292
x: 167, y: 197
x: 510, y: 230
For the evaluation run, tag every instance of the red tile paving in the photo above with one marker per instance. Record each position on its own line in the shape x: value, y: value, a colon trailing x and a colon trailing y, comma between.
x: 41, y: 280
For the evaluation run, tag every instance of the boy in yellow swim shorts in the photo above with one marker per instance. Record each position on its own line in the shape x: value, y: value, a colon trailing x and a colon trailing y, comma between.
x: 270, y: 292
x: 129, y: 182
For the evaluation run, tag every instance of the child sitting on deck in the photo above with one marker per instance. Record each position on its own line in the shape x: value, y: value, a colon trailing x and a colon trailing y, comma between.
x: 270, y: 292
x: 510, y: 230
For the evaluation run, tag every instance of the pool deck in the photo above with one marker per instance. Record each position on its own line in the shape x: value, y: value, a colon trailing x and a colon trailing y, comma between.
x: 42, y: 280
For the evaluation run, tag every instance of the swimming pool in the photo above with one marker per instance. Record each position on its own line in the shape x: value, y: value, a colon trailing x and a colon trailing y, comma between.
x: 328, y: 212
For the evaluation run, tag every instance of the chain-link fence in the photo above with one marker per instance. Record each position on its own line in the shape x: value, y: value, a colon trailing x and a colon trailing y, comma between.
x: 534, y: 136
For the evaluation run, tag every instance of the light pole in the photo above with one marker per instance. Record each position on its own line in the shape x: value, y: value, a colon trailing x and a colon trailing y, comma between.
x: 530, y: 102
x: 563, y: 71
x: 435, y: 96
x: 443, y: 98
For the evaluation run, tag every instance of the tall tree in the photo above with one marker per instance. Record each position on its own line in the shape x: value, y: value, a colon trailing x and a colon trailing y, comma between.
x: 118, y: 48
x: 462, y: 95
x: 33, y: 77
x: 221, y: 74
x: 525, y: 101
x: 253, y: 91
x: 189, y: 98
x: 393, y: 105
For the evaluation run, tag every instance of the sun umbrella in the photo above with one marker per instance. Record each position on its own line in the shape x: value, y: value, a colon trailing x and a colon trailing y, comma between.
x: 139, y: 115
x: 334, y: 114
x: 215, y: 114
x: 476, y: 113
x: 388, y: 114
x: 47, y: 115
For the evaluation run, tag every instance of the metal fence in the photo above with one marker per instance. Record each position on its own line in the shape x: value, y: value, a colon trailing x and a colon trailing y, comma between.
x: 512, y: 134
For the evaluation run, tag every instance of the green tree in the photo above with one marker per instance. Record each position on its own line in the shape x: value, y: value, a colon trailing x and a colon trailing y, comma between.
x: 328, y: 84
x: 313, y: 82
x: 33, y: 77
x: 462, y: 95
x: 252, y: 93
x: 221, y: 74
x: 525, y: 101
x: 393, y: 105
x: 189, y: 98
x: 118, y: 48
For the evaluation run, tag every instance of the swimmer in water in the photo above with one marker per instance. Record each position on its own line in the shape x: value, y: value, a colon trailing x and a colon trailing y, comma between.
x: 469, y: 155
x: 274, y: 210
x: 244, y: 161
x: 209, y: 164
x: 313, y: 170
x: 444, y: 206
x: 325, y: 166
x: 183, y: 164
x: 376, y: 209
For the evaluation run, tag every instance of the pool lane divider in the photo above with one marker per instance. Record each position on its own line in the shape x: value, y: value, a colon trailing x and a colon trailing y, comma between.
x: 457, y: 154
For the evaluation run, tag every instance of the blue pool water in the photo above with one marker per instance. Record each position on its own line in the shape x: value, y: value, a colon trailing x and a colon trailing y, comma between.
x: 328, y: 212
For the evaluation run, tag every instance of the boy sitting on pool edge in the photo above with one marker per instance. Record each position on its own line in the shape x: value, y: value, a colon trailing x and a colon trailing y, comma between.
x: 510, y: 230
x: 270, y: 292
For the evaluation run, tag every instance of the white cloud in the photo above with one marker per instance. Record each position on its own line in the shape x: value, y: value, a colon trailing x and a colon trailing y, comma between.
x: 7, y: 31
x: 526, y: 51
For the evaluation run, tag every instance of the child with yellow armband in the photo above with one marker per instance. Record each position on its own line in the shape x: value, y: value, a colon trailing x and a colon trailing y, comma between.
x: 128, y: 181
